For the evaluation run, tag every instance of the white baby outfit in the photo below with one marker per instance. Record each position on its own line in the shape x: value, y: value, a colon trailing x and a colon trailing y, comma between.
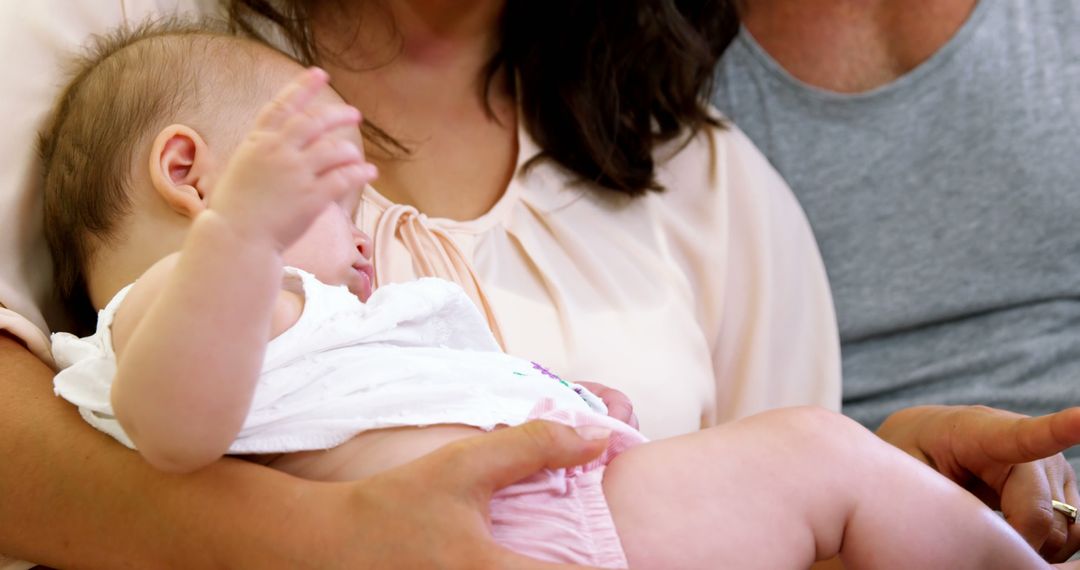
x: 415, y: 354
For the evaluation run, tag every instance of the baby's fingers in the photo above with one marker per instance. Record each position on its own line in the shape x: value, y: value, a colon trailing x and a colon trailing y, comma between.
x: 328, y: 154
x: 336, y: 182
x: 292, y: 98
x: 303, y: 129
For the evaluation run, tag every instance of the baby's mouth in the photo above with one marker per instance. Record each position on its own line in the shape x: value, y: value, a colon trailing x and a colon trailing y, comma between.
x: 366, y: 280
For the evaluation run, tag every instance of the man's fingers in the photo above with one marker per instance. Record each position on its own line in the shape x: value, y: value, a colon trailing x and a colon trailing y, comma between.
x: 1025, y: 502
x: 492, y: 461
x: 1057, y: 474
x: 292, y: 98
x: 1020, y: 440
x: 1072, y: 543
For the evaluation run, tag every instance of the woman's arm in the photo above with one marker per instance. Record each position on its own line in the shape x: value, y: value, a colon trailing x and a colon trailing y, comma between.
x: 70, y: 497
x: 778, y: 342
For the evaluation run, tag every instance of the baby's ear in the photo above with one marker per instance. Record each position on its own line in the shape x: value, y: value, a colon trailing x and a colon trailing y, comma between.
x: 180, y: 164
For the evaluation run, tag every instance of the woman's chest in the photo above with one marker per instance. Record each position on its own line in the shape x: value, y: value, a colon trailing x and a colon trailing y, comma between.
x: 593, y: 295
x: 639, y: 337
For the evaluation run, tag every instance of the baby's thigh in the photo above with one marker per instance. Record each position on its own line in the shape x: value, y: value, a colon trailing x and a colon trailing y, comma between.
x: 732, y: 496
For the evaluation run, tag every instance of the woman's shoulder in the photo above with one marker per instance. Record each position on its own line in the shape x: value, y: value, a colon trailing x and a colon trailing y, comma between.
x: 709, y: 177
x: 713, y: 158
x: 719, y: 172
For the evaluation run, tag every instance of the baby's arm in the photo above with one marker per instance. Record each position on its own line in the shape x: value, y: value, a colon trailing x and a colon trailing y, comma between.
x: 190, y: 340
x: 286, y: 309
x: 189, y: 357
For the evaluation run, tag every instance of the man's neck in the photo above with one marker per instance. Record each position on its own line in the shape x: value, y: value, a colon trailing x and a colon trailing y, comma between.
x: 851, y: 46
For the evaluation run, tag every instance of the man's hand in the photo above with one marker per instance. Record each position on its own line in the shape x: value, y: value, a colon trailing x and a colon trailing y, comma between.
x: 1011, y: 461
x: 618, y: 404
x: 433, y: 512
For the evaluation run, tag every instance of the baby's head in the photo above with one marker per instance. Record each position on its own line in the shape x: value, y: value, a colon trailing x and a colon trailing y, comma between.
x: 136, y: 143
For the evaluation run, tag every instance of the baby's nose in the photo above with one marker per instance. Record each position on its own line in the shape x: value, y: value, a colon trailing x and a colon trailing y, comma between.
x: 363, y: 243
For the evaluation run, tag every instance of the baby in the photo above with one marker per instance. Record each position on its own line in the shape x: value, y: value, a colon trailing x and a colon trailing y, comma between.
x: 199, y: 195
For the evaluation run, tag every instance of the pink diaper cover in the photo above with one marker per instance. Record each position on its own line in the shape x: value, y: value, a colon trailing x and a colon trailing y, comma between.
x: 562, y: 515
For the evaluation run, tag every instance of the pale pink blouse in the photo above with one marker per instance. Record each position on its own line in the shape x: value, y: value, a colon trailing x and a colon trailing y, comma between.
x: 704, y: 303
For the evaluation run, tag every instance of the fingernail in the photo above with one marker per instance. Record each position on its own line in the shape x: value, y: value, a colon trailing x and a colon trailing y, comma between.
x: 593, y: 433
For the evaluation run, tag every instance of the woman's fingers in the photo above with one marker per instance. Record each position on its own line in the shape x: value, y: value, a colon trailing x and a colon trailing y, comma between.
x: 489, y: 462
x: 513, y: 561
x: 433, y: 512
x: 292, y: 98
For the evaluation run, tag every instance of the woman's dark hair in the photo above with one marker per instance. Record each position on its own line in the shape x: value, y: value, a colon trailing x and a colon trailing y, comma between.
x: 601, y: 82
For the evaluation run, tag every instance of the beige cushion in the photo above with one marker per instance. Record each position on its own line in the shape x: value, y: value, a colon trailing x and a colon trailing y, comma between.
x: 36, y: 38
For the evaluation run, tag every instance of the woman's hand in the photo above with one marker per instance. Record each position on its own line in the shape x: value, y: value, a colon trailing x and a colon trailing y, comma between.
x: 618, y: 404
x: 432, y: 513
x: 1010, y: 461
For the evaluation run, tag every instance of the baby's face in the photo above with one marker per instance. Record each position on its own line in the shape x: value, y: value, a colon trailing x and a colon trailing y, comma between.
x: 332, y: 248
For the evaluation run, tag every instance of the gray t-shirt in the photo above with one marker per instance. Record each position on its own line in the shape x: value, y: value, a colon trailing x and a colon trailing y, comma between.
x: 947, y: 208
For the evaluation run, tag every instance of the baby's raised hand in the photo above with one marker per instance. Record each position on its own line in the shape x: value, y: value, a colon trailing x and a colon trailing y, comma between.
x: 290, y: 166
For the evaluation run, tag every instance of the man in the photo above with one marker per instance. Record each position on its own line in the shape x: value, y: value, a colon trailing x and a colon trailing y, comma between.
x: 933, y: 145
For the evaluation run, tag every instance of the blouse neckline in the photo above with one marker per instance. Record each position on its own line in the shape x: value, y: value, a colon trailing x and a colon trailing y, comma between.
x: 545, y: 187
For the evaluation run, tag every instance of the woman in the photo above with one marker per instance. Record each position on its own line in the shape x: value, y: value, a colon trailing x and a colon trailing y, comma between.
x: 684, y: 245
x: 703, y: 272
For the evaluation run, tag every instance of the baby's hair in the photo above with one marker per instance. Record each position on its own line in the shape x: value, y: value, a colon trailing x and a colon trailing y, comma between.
x: 130, y: 84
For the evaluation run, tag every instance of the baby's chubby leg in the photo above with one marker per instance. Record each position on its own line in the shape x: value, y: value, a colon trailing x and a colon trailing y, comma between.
x: 784, y: 488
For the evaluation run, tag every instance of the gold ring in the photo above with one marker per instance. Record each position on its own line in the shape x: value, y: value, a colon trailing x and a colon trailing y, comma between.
x: 1066, y: 509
